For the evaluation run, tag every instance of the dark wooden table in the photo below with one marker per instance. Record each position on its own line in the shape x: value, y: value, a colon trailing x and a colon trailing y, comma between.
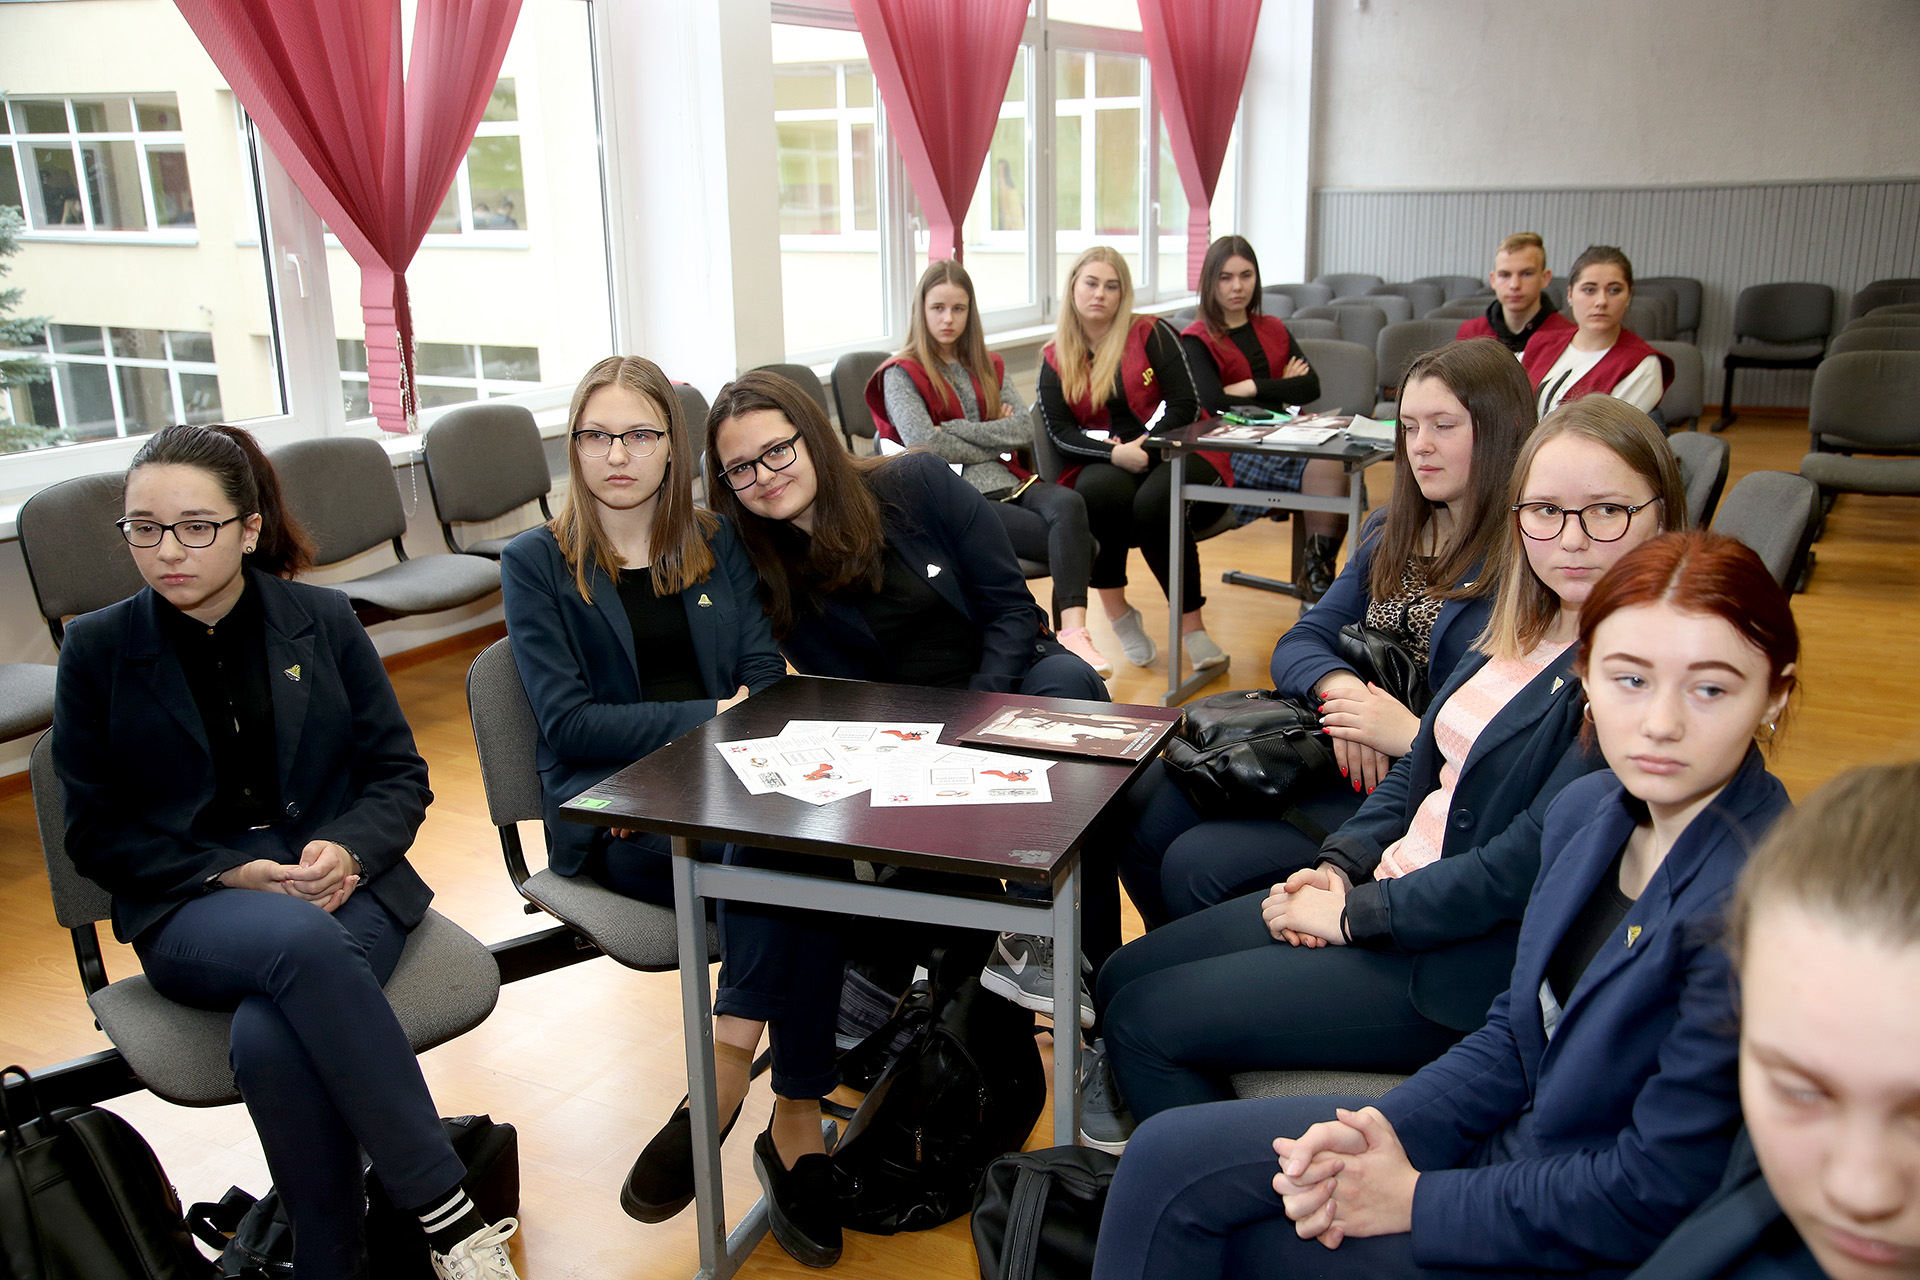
x: 687, y: 791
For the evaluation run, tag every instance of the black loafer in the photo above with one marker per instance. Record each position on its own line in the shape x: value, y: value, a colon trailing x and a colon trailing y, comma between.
x: 800, y: 1203
x: 660, y: 1184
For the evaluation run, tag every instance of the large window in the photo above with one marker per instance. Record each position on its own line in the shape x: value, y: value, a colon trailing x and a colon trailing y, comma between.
x: 113, y: 163
x: 121, y: 382
x: 445, y: 373
x: 489, y: 194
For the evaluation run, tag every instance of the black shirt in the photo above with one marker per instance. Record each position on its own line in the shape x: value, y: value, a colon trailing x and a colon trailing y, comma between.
x: 1169, y: 362
x: 1269, y: 392
x: 663, y: 653
x: 226, y: 669
x: 1590, y: 931
x: 924, y: 639
x: 1517, y: 342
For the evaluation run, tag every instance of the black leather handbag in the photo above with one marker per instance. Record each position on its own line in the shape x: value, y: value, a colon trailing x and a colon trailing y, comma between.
x: 1250, y: 753
x: 1037, y: 1213
x: 1381, y: 658
x: 83, y: 1197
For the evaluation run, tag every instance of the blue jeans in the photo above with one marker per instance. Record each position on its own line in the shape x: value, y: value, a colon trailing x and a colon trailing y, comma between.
x: 321, y: 1061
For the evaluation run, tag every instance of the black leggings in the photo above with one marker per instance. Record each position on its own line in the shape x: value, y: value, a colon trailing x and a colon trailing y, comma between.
x: 1049, y: 523
x: 1127, y: 510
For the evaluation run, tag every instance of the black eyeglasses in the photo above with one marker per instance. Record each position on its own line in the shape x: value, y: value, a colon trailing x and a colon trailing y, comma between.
x: 1600, y: 521
x: 188, y: 533
x: 777, y: 456
x: 640, y: 442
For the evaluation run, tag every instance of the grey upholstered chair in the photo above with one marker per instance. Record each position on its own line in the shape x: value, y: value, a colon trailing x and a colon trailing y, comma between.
x: 693, y: 412
x: 1276, y: 304
x: 1423, y: 295
x: 1776, y: 513
x: 1688, y: 295
x: 1468, y: 308
x: 638, y: 934
x: 851, y: 373
x: 1882, y: 292
x: 1348, y: 382
x: 1300, y: 295
x: 1650, y: 314
x: 1399, y: 344
x: 1679, y: 409
x: 1314, y: 1084
x: 1395, y: 308
x: 1359, y: 322
x: 26, y: 698
x: 1313, y: 327
x: 342, y: 489
x: 1183, y: 317
x: 484, y: 461
x: 803, y: 377
x: 1874, y: 339
x: 1775, y: 326
x: 76, y: 558
x: 1894, y: 309
x: 1884, y: 318
x: 1556, y: 294
x: 1453, y: 288
x: 445, y: 984
x: 1347, y: 283
x: 1703, y: 459
x: 1865, y: 402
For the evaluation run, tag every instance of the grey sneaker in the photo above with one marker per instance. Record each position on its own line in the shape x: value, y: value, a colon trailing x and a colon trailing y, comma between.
x: 1202, y: 652
x: 1105, y: 1122
x: 1134, y: 640
x: 1021, y: 970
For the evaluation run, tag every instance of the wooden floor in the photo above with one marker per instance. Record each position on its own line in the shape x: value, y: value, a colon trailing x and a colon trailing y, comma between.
x: 587, y: 1061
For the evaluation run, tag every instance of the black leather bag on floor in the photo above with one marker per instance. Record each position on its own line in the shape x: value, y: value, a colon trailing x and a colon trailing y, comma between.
x: 1037, y: 1215
x: 83, y: 1197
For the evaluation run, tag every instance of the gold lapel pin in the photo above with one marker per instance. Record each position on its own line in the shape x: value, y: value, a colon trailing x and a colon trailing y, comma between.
x: 1633, y: 931
x: 704, y: 602
x: 1557, y: 682
x: 293, y: 673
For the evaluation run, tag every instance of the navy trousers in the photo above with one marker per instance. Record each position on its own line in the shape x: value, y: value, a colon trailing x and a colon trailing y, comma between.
x: 321, y: 1061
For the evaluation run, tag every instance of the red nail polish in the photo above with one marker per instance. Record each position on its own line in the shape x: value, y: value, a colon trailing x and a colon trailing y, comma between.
x: 1343, y: 773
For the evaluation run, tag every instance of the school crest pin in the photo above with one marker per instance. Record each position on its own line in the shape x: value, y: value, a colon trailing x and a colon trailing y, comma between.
x: 1557, y: 682
x: 293, y: 673
x: 933, y: 571
x: 704, y: 602
x: 1633, y: 931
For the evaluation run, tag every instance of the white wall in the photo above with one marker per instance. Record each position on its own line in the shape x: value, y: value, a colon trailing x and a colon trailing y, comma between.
x: 1536, y: 93
x: 1276, y: 132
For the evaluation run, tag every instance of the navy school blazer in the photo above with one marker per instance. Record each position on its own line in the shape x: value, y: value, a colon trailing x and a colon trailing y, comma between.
x: 578, y: 664
x: 1582, y: 1152
x: 132, y: 752
x: 1740, y: 1233
x: 1310, y: 648
x: 1460, y: 916
x: 943, y: 529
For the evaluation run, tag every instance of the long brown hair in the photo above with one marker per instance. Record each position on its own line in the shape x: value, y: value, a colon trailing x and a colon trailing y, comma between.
x: 1490, y: 384
x: 1210, y: 268
x: 970, y: 349
x: 245, y: 475
x: 847, y: 543
x: 678, y: 537
x: 1087, y: 371
x: 1526, y: 607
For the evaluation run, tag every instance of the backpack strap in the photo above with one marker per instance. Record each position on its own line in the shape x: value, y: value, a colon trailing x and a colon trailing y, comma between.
x: 1026, y: 1214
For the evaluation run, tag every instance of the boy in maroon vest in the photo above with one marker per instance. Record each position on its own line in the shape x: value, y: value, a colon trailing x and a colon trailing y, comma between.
x: 1517, y: 312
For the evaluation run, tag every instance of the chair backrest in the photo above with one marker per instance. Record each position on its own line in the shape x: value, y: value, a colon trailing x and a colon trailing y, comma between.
x: 1774, y: 513
x: 1301, y: 295
x: 1685, y: 398
x: 1468, y: 308
x: 1881, y: 318
x: 1688, y: 294
x: 1882, y: 292
x: 693, y: 409
x: 77, y: 901
x: 1348, y: 383
x: 1400, y: 343
x: 1704, y: 458
x: 1650, y: 315
x: 1894, y: 309
x: 1313, y: 327
x: 1395, y: 308
x: 803, y: 377
x: 1359, y: 322
x: 1047, y: 461
x: 1183, y: 317
x: 506, y: 735
x: 342, y: 489
x: 1275, y: 304
x: 851, y: 373
x: 1453, y: 288
x: 1874, y: 339
x: 1868, y: 397
x: 1424, y: 295
x: 1785, y: 312
x: 76, y: 559
x: 1347, y: 283
x: 1556, y: 293
x: 484, y: 460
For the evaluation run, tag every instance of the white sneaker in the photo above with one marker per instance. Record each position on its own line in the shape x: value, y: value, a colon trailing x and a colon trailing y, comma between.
x: 1202, y: 652
x: 481, y: 1256
x: 1134, y: 640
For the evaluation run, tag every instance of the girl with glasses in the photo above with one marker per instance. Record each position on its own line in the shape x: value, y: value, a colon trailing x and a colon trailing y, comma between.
x: 634, y: 618
x: 240, y: 778
x: 1597, y: 355
x: 1597, y: 1105
x: 945, y: 392
x: 1381, y: 948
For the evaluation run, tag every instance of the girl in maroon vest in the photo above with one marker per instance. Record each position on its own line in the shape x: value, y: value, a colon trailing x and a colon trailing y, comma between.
x: 946, y: 393
x: 1241, y: 356
x: 1103, y: 378
x: 1597, y: 355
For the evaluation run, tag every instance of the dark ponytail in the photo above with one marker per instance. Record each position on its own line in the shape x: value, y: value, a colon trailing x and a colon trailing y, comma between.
x: 234, y: 459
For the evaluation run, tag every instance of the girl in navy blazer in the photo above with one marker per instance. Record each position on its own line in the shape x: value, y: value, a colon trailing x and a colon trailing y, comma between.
x: 1395, y: 943
x: 240, y: 778
x: 1597, y: 1105
x: 634, y: 617
x: 1416, y: 574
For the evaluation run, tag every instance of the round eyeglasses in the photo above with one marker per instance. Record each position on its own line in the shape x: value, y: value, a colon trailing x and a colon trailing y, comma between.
x: 777, y: 456
x: 193, y: 534
x: 1600, y: 521
x: 640, y: 442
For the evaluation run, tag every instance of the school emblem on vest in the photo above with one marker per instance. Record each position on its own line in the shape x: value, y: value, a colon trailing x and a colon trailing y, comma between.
x: 1146, y: 379
x: 292, y: 673
x: 1633, y: 931
x: 703, y: 602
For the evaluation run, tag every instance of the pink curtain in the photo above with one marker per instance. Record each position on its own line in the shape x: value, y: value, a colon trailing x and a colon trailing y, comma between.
x: 372, y: 151
x: 1199, y: 50
x: 942, y: 68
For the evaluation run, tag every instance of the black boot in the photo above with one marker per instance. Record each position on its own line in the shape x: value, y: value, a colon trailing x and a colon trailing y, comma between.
x: 1317, y: 569
x: 801, y: 1208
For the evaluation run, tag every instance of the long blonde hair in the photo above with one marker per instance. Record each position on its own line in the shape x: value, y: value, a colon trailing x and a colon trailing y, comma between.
x: 680, y: 532
x: 970, y: 349
x: 1082, y: 367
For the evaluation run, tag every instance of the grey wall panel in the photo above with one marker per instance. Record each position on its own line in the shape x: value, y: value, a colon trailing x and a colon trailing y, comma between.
x: 1842, y: 234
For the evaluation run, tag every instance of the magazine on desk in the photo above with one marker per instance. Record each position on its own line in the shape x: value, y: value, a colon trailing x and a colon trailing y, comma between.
x: 1300, y: 431
x: 1081, y: 733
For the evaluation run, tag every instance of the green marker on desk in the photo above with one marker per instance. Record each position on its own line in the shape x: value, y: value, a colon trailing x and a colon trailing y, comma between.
x: 592, y: 804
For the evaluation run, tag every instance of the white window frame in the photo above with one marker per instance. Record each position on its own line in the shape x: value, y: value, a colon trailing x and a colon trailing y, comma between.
x: 113, y: 363
x: 483, y: 387
x: 75, y: 139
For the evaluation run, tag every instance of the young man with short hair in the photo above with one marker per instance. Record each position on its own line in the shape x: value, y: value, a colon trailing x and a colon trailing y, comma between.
x: 1517, y: 312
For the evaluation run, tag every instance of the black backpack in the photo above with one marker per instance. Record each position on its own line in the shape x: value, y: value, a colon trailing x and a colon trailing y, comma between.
x: 967, y: 1085
x: 1037, y: 1216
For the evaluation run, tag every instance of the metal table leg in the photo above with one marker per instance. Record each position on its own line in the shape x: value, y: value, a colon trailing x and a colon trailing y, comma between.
x: 1179, y: 690
x: 1066, y: 1008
